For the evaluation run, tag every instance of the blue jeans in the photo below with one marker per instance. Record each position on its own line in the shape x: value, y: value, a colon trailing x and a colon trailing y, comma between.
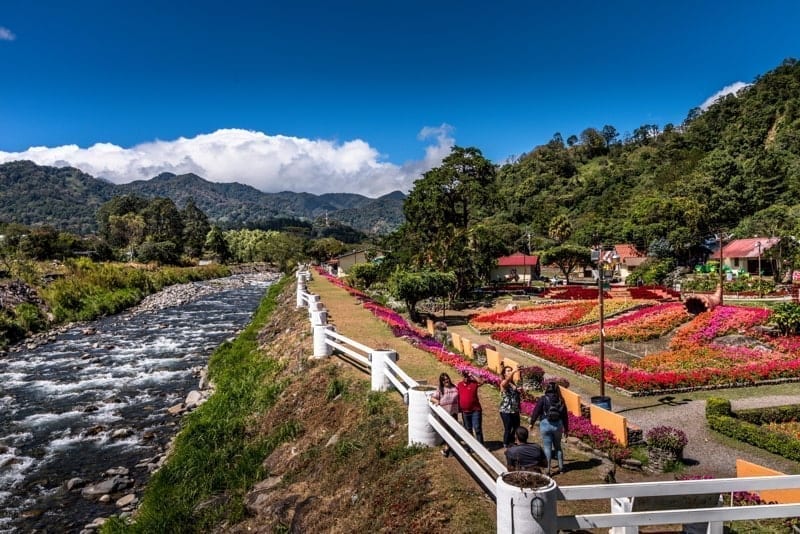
x: 551, y: 439
x: 473, y: 422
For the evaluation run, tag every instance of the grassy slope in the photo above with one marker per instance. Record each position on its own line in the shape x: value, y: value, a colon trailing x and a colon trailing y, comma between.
x: 274, y: 414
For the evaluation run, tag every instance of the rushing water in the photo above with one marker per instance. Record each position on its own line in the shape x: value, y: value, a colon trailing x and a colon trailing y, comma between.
x: 88, y: 402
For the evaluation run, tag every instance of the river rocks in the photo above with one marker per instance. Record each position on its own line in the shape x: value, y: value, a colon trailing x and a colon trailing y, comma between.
x: 193, y: 399
x: 121, y: 433
x: 127, y: 500
x: 176, y: 409
x: 96, y: 430
x: 117, y: 471
x: 111, y: 485
x: 75, y: 483
x: 94, y: 525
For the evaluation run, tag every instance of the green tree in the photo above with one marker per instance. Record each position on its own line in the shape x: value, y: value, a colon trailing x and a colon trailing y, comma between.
x: 217, y: 245
x: 412, y: 287
x: 125, y: 231
x: 560, y: 229
x: 163, y: 222
x: 363, y: 275
x: 609, y: 135
x: 325, y: 248
x: 195, y: 229
x: 566, y: 257
x: 117, y: 206
x: 443, y: 211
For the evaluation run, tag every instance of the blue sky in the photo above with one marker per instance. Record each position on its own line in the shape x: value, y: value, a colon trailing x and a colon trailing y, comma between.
x: 356, y: 96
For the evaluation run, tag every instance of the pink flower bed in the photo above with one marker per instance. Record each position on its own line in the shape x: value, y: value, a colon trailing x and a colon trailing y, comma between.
x: 537, y: 317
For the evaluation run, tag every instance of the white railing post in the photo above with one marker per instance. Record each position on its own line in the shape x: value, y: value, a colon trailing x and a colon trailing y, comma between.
x: 378, y: 358
x: 420, y: 431
x: 321, y: 348
x: 314, y: 303
x: 622, y: 505
x: 319, y: 317
x: 301, y: 289
x: 529, y: 510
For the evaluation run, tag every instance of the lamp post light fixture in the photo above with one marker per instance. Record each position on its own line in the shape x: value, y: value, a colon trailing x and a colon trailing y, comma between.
x: 605, y: 260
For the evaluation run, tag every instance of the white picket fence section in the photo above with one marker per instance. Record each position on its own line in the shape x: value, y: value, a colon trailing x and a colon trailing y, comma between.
x: 526, y: 510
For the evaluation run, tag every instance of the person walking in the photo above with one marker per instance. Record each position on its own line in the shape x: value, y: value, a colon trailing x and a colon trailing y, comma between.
x: 509, y: 404
x: 446, y: 396
x: 470, y: 405
x: 551, y: 410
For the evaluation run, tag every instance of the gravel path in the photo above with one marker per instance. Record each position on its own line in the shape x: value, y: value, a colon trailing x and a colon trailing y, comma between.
x: 705, y: 447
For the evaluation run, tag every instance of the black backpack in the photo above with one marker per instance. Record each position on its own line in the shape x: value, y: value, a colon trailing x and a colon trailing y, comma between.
x: 553, y: 409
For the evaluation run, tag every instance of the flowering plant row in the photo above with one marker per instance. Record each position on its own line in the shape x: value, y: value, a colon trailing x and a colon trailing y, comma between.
x: 549, y: 315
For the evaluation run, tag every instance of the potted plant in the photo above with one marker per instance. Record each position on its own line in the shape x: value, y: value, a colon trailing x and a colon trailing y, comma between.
x: 665, y: 446
x: 531, y: 377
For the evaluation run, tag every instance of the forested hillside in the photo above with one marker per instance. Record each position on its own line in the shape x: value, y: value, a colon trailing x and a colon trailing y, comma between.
x: 735, y: 166
x: 68, y: 199
x: 732, y: 170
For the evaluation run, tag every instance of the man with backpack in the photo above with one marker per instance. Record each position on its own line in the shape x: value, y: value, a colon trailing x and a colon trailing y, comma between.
x: 551, y: 411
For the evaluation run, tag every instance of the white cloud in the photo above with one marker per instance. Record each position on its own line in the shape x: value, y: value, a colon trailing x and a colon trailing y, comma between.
x: 6, y: 34
x: 270, y: 163
x: 730, y: 89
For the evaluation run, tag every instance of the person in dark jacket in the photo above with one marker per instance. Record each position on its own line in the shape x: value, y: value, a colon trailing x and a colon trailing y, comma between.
x: 523, y: 455
x: 551, y: 411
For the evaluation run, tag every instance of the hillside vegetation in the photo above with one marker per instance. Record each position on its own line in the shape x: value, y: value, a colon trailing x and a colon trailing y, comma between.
x: 68, y: 199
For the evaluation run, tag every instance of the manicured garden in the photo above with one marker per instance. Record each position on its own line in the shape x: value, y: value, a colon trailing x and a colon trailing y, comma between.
x: 728, y: 346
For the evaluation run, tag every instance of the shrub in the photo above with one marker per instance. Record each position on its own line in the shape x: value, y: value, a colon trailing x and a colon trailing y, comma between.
x: 786, y: 317
x: 666, y: 437
x: 29, y: 317
x: 717, y: 406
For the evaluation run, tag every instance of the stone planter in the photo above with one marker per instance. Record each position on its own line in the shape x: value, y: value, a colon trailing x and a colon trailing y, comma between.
x: 661, y: 459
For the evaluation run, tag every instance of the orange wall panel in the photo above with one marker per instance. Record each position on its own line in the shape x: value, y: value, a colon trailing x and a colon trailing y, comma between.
x: 749, y: 469
x: 610, y: 421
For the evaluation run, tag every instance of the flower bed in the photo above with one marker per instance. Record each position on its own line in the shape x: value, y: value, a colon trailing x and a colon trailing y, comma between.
x: 546, y: 316
x: 693, y: 359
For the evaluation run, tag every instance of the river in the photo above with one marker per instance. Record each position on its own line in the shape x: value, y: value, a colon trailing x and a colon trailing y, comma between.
x: 96, y: 397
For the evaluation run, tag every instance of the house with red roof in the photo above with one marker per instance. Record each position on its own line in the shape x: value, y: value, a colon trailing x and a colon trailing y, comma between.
x: 629, y: 258
x: 516, y: 268
x: 747, y: 255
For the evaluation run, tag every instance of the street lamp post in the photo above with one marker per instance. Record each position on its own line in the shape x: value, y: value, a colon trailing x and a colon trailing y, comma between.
x: 760, y: 294
x: 721, y: 274
x: 603, y: 261
x: 602, y: 330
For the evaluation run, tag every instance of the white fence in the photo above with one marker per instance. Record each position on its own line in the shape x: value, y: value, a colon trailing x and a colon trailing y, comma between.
x: 529, y: 510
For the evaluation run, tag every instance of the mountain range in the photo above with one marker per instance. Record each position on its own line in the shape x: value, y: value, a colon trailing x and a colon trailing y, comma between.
x: 67, y: 198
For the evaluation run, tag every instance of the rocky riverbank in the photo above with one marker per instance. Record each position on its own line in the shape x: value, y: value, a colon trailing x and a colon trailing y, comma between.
x: 117, y: 486
x: 15, y: 292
